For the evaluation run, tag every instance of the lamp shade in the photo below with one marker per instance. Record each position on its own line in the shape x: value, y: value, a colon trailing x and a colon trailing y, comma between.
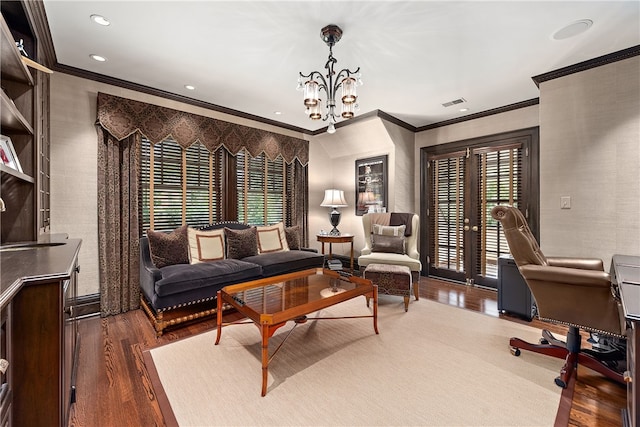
x: 334, y: 198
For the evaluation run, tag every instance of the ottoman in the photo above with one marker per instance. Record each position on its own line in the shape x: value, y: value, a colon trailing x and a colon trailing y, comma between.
x: 391, y: 280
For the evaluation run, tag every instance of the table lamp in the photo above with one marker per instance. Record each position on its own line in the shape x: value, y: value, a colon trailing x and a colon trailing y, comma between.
x: 334, y: 199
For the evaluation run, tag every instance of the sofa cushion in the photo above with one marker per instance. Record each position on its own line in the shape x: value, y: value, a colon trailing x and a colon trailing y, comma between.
x: 206, y: 245
x: 275, y: 263
x: 185, y: 277
x: 169, y: 248
x: 272, y: 238
x: 241, y: 243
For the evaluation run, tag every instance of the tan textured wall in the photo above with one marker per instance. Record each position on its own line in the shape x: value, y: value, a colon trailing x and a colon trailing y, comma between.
x: 332, y: 165
x: 590, y: 151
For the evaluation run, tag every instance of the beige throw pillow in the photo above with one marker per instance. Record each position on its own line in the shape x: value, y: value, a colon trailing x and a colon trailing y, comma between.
x: 272, y: 238
x: 389, y: 230
x: 206, y: 245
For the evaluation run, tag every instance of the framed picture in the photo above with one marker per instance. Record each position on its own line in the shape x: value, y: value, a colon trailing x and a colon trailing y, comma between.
x: 8, y: 154
x: 371, y: 185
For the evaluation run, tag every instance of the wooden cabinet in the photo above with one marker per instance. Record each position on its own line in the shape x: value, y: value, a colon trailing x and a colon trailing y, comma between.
x: 5, y: 390
x: 25, y: 121
x: 39, y: 334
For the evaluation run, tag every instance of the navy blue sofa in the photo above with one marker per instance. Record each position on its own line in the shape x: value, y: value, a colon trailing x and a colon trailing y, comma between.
x: 183, y: 292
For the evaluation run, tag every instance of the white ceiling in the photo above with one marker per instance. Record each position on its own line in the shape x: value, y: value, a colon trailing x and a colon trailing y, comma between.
x: 414, y: 55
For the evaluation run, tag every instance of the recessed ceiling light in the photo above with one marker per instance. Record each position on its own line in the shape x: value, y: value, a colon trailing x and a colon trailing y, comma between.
x: 277, y: 113
x: 573, y: 29
x: 99, y: 19
x: 464, y: 110
x: 189, y: 87
x: 98, y: 57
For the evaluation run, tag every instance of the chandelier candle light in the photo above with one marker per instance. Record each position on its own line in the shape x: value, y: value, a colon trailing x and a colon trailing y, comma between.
x: 314, y: 82
x: 334, y: 199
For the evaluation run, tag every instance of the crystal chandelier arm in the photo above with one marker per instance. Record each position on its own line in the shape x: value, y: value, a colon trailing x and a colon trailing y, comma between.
x: 344, y: 73
x: 311, y: 75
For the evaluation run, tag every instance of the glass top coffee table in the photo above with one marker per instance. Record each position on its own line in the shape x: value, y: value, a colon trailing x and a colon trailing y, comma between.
x: 272, y: 302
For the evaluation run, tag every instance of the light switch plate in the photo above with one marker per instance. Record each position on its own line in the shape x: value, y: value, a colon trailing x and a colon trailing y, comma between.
x: 565, y: 202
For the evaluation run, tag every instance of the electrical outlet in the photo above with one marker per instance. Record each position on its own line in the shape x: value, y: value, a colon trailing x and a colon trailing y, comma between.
x: 565, y: 202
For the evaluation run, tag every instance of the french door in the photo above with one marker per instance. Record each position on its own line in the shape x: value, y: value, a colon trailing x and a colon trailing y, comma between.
x: 461, y: 183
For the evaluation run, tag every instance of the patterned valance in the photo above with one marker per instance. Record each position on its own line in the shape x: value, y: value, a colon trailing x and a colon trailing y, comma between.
x: 122, y: 117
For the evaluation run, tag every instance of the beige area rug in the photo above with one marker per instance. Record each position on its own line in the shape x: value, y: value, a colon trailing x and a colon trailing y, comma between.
x: 434, y: 365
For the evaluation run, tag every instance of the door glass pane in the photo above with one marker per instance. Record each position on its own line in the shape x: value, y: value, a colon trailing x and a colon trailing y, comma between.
x: 448, y: 208
x: 500, y: 182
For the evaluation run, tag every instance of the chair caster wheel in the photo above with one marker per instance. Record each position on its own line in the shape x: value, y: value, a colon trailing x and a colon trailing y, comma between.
x: 515, y: 351
x: 543, y: 341
x: 560, y: 383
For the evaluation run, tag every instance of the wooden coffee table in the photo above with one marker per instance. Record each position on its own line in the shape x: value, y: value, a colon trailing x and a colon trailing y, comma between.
x: 272, y: 302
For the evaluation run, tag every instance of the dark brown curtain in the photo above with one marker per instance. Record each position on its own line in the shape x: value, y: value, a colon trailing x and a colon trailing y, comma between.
x: 121, y: 122
x: 299, y: 199
x: 123, y: 117
x: 118, y: 234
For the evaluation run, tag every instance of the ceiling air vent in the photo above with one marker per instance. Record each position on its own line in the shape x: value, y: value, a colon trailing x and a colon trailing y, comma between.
x: 454, y: 102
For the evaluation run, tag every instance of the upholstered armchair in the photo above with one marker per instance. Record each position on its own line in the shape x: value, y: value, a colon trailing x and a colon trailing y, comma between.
x: 574, y: 292
x: 411, y: 257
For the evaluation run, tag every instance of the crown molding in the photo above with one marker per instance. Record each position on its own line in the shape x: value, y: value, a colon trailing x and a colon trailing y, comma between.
x: 586, y: 65
x: 169, y: 95
x: 38, y: 19
x: 503, y: 109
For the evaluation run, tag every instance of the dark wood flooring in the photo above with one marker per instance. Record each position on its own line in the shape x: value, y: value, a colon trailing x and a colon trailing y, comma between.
x: 114, y: 388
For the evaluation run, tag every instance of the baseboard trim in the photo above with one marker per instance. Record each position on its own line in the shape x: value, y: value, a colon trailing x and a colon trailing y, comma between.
x: 86, y: 305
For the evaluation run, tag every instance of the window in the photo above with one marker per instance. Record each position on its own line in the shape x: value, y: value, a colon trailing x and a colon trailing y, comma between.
x: 187, y: 186
x: 261, y: 187
x: 179, y: 186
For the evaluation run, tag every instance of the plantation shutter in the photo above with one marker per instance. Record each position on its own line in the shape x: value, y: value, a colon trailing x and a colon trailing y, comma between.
x: 500, y: 178
x: 204, y: 182
x: 447, y: 207
x: 179, y: 186
x: 261, y: 188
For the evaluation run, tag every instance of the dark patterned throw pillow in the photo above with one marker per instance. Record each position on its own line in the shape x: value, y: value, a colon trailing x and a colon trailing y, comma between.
x: 294, y: 236
x: 388, y: 244
x: 169, y: 248
x: 241, y: 243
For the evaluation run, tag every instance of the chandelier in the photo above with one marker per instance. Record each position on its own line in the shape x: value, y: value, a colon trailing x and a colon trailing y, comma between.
x: 313, y: 83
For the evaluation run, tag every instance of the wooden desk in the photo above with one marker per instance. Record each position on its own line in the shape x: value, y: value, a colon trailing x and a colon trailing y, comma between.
x: 625, y: 272
x: 343, y: 238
